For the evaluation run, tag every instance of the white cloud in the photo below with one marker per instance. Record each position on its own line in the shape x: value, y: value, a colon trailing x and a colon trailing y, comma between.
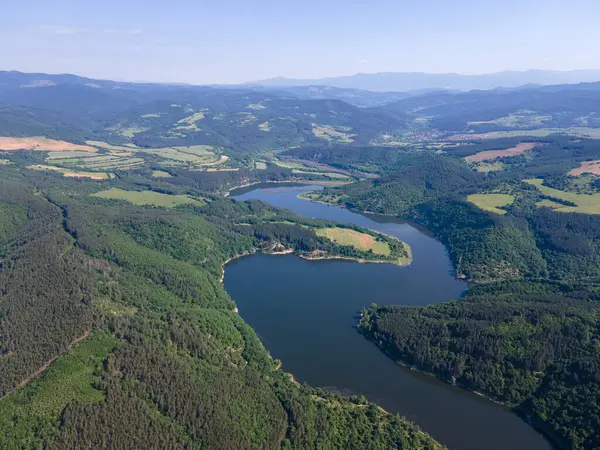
x: 59, y: 29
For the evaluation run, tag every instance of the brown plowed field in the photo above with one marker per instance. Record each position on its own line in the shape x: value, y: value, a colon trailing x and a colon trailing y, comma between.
x: 40, y: 143
x: 587, y: 167
x: 493, y: 154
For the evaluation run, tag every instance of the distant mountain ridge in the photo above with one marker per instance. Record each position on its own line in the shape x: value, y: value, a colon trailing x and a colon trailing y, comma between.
x: 410, y: 81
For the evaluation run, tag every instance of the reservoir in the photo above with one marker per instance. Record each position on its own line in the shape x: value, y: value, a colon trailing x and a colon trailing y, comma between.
x: 305, y: 313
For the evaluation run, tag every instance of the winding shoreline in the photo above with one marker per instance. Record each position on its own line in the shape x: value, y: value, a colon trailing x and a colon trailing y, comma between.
x: 525, y: 415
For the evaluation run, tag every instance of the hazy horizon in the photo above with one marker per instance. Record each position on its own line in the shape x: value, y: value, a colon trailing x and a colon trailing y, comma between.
x: 236, y: 41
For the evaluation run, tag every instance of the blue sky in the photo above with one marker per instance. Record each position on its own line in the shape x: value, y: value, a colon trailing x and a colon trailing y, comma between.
x: 228, y: 41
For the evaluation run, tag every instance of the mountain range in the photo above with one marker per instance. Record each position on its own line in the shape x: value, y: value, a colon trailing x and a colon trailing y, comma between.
x: 410, y: 81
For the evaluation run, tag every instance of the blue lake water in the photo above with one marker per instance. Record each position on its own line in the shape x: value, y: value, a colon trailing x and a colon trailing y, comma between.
x: 305, y: 313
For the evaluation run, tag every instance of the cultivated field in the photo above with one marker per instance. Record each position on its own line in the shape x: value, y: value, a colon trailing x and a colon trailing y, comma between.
x: 587, y: 167
x: 72, y: 173
x: 68, y: 155
x: 103, y: 162
x: 197, y: 154
x: 361, y: 241
x: 147, y: 198
x: 491, y: 202
x: 41, y: 143
x: 583, y: 132
x: 493, y: 154
x: 520, y: 119
x: 586, y: 203
x: 106, y: 146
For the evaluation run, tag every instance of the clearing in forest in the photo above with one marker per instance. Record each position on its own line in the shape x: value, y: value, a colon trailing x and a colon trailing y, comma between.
x: 491, y: 202
x: 587, y: 167
x: 41, y: 144
x: 189, y: 123
x: 356, y: 239
x: 142, y: 198
x: 486, y: 167
x: 160, y: 174
x: 330, y: 133
x: 69, y: 378
x: 493, y: 154
x: 586, y: 203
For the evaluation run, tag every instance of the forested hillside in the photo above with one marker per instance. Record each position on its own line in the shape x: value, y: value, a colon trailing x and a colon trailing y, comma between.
x: 154, y: 115
x: 116, y: 329
x: 527, y: 333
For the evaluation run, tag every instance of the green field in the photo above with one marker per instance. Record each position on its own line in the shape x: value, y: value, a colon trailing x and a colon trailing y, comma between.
x: 160, y: 174
x: 335, y: 175
x: 197, y: 154
x: 146, y: 198
x: 356, y: 239
x: 586, y: 203
x: 491, y: 202
x: 520, y: 119
x: 486, y: 167
x: 104, y: 162
x: 69, y: 155
x: 260, y: 165
x: 584, y: 132
x: 6, y: 162
x: 189, y: 123
x: 291, y: 165
x: 130, y: 132
x: 106, y: 146
x: 549, y: 204
x: 330, y: 133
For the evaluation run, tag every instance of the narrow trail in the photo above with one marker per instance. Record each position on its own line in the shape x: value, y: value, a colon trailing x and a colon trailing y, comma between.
x: 46, y: 365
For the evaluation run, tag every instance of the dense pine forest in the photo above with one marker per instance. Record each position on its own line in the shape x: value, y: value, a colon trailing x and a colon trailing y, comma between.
x: 117, y: 333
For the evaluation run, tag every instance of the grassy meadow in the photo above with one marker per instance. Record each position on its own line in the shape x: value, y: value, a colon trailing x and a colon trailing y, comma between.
x: 147, y: 198
x: 586, y: 203
x: 356, y: 239
x: 491, y: 202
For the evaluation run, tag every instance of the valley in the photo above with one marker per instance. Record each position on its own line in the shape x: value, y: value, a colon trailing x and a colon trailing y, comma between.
x: 119, y: 208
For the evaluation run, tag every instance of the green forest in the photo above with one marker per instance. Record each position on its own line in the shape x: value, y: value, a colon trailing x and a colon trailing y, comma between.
x: 117, y: 333
x: 527, y: 333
